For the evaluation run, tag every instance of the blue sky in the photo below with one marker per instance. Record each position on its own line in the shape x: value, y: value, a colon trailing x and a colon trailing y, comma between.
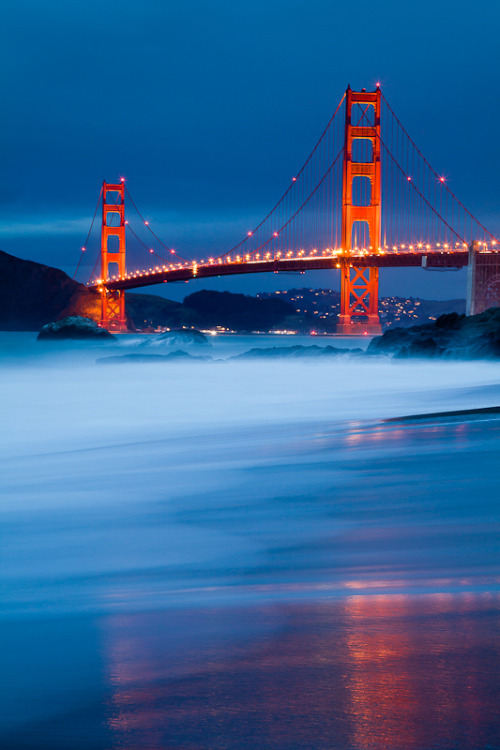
x: 208, y: 109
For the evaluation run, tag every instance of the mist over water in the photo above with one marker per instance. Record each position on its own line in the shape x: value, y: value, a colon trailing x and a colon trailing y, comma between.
x: 243, y: 553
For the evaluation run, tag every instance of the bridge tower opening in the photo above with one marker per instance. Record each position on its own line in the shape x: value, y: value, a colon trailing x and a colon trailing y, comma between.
x: 359, y: 284
x: 113, y: 315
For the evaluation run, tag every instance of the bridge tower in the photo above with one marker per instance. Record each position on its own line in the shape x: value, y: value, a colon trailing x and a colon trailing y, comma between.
x: 113, y: 226
x: 359, y: 285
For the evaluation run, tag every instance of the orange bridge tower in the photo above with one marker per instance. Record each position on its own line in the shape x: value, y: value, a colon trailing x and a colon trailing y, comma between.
x: 359, y: 285
x: 113, y: 254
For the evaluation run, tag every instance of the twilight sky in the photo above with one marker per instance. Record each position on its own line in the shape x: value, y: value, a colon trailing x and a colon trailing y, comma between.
x: 209, y: 107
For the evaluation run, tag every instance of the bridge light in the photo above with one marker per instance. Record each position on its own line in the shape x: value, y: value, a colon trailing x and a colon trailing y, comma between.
x: 442, y: 179
x: 249, y: 234
x: 83, y: 249
x: 146, y: 223
x: 151, y: 250
x: 294, y: 179
x: 275, y: 234
x: 126, y: 222
x: 122, y: 179
x: 409, y: 178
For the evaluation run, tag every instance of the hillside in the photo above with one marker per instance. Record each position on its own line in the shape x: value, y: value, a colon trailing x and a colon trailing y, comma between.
x: 32, y: 294
x: 321, y: 307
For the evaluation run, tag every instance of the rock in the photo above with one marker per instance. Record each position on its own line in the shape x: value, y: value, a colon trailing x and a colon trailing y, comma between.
x: 172, y: 356
x: 296, y: 352
x: 451, y: 336
x: 420, y: 347
x: 177, y: 337
x: 74, y: 327
x: 449, y: 322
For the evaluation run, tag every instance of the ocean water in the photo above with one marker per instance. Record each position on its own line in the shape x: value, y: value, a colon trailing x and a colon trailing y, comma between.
x: 247, y: 553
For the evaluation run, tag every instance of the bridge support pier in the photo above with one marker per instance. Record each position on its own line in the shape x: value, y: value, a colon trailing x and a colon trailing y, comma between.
x: 358, y: 298
x: 483, y: 280
x: 113, y: 316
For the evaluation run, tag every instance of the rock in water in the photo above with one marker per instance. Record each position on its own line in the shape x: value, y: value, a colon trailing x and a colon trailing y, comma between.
x: 74, y: 327
x: 177, y: 337
x: 451, y: 336
x: 151, y: 358
x: 297, y: 351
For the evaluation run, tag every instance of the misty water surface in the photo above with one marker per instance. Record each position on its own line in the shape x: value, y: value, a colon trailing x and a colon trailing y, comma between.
x: 244, y: 553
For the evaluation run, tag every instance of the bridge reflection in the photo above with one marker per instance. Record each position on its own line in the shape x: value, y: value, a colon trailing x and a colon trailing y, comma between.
x: 368, y: 672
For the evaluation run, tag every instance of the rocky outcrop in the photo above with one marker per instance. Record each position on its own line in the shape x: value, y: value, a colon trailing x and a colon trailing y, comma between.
x: 74, y: 327
x: 296, y: 352
x: 177, y: 337
x: 451, y: 336
x: 150, y: 358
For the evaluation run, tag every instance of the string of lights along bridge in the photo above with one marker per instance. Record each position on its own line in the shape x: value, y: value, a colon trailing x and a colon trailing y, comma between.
x: 366, y: 198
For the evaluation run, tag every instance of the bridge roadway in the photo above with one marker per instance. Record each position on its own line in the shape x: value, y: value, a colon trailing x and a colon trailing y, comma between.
x: 205, y: 270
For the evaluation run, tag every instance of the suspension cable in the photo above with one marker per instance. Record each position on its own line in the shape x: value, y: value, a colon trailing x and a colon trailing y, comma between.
x: 146, y: 224
x: 245, y: 239
x: 88, y: 235
x: 434, y: 171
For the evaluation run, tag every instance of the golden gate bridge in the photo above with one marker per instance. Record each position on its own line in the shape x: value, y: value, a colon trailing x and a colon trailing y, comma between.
x: 366, y: 198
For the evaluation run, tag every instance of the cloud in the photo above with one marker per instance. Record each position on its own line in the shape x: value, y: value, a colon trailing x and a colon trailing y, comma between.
x: 41, y: 227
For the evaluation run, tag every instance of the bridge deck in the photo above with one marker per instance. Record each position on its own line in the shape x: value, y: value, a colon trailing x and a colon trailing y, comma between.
x: 167, y: 274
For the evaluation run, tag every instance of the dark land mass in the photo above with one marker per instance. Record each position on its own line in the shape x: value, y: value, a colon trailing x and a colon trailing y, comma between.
x: 451, y: 336
x: 485, y: 411
x: 32, y: 294
x: 238, y: 312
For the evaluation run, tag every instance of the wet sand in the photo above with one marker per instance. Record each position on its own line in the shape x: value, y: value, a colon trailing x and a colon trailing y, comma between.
x: 365, y: 672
